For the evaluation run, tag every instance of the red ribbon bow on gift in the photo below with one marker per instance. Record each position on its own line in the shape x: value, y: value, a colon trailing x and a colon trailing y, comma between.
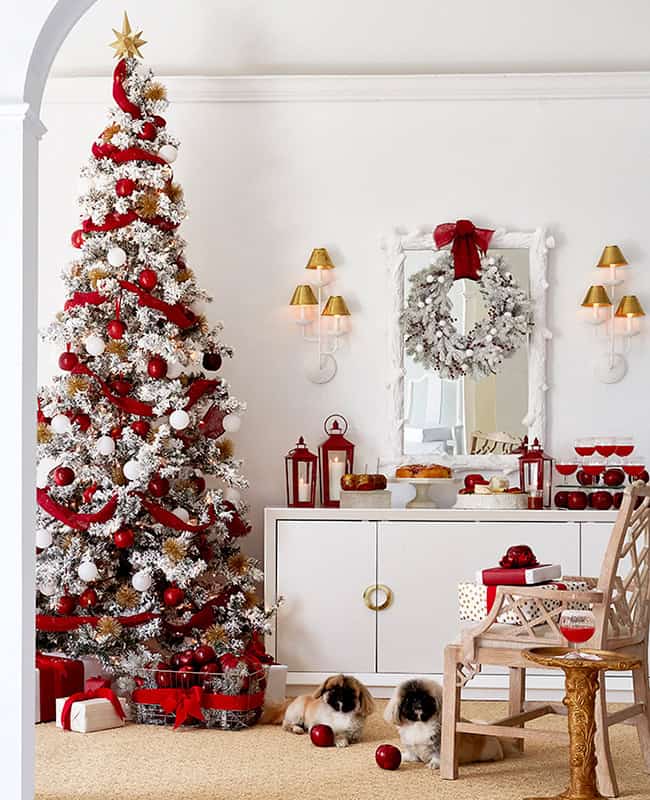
x: 520, y: 556
x: 106, y: 694
x: 467, y: 240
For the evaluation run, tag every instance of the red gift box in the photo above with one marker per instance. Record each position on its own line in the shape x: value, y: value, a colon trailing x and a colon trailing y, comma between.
x: 59, y: 677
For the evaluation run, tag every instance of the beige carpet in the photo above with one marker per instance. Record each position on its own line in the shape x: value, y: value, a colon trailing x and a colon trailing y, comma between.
x: 264, y: 763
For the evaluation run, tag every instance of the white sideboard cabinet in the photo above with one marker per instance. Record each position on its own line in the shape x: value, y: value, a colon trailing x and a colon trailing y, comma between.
x: 374, y: 592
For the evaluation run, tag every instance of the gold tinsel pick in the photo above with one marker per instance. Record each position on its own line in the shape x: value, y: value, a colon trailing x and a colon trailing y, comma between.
x: 117, y: 348
x: 43, y: 433
x: 155, y: 91
x: 215, y: 635
x: 127, y: 597
x: 226, y: 448
x: 174, y: 191
x: 118, y: 475
x: 108, y: 627
x: 110, y: 131
x: 184, y: 275
x: 174, y: 549
x: 95, y: 275
x: 147, y: 205
x: 238, y: 564
x: 251, y: 599
x: 76, y: 383
x: 126, y: 43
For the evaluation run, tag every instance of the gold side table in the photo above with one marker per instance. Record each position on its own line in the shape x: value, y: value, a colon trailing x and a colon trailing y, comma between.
x: 581, y: 681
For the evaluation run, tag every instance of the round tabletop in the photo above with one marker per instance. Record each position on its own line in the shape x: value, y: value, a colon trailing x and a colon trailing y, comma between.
x: 567, y: 658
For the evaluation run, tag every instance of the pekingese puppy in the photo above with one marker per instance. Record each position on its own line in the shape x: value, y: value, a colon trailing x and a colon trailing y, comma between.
x: 341, y: 701
x: 416, y: 709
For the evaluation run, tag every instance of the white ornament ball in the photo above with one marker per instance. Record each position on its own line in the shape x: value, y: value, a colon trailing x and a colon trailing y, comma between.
x: 116, y: 257
x: 88, y: 571
x: 180, y: 419
x: 419, y: 348
x: 429, y: 278
x: 132, y: 470
x: 168, y: 152
x: 61, y: 424
x: 441, y: 279
x: 232, y: 495
x: 48, y: 589
x: 94, y: 345
x: 488, y: 338
x: 181, y: 513
x: 174, y: 369
x: 491, y: 261
x: 428, y: 301
x: 141, y: 581
x: 105, y: 445
x: 507, y: 314
x: 469, y: 353
x: 232, y: 423
x: 43, y: 539
x: 45, y: 466
x: 420, y: 304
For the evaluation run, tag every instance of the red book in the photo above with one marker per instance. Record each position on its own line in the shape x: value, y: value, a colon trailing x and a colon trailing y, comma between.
x: 518, y: 576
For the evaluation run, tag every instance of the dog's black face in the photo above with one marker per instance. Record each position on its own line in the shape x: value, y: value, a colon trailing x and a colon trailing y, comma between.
x: 342, y: 698
x: 417, y: 705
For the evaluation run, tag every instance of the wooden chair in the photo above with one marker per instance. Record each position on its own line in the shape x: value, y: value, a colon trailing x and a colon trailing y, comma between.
x: 620, y: 602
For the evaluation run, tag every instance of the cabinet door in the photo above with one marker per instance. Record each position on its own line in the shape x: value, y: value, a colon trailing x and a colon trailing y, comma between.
x: 423, y: 562
x: 323, y: 569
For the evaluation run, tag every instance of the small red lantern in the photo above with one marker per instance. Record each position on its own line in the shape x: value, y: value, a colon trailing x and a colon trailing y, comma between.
x: 536, y: 473
x: 336, y: 456
x: 300, y: 473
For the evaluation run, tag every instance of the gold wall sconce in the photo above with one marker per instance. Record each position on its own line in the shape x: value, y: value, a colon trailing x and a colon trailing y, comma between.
x: 621, y: 321
x: 323, y: 320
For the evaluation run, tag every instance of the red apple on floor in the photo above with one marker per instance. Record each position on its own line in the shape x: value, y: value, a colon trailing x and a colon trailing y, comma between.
x: 388, y: 756
x: 584, y: 478
x: 613, y: 477
x: 617, y: 499
x: 322, y: 736
x: 577, y: 501
x: 601, y: 501
x: 561, y: 499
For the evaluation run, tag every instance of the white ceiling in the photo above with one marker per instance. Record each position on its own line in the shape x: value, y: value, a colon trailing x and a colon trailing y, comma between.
x: 226, y: 37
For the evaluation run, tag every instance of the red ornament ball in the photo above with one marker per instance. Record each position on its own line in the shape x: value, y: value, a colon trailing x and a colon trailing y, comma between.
x: 124, y: 187
x: 211, y: 361
x: 116, y: 432
x: 148, y: 278
x: 174, y: 596
x: 322, y: 736
x: 158, y: 486
x: 160, y: 121
x: 121, y: 387
x: 123, y: 538
x: 157, y: 367
x: 77, y: 238
x: 388, y: 756
x: 116, y: 329
x: 148, y: 131
x: 141, y: 427
x: 82, y: 420
x: 203, y: 654
x: 66, y: 604
x: 88, y: 598
x: 68, y: 361
x: 63, y: 476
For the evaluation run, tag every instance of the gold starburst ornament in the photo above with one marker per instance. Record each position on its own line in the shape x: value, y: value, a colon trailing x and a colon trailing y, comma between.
x: 127, y: 44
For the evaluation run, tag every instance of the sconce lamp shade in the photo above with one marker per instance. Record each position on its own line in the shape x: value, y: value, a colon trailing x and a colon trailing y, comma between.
x: 336, y: 307
x: 630, y: 307
x: 303, y: 296
x: 596, y: 296
x: 319, y: 259
x: 612, y: 257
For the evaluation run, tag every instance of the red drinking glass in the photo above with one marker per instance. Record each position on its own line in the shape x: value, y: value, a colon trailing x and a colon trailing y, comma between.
x: 585, y: 447
x: 624, y: 446
x: 566, y: 467
x: 605, y: 446
x: 634, y: 469
x: 577, y: 627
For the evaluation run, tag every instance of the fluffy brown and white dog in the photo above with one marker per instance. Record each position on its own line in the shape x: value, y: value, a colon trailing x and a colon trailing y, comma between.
x: 341, y: 701
x: 416, y: 709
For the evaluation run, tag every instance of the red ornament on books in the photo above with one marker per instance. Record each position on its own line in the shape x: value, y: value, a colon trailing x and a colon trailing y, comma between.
x: 173, y: 596
x: 141, y: 427
x: 158, y: 486
x: 88, y: 598
x: 148, y: 278
x: 519, y: 557
x: 63, y: 476
x: 123, y: 538
x: 66, y: 604
x: 68, y: 361
x: 124, y: 187
x: 148, y: 131
x: 157, y: 367
x: 116, y: 329
x: 77, y: 238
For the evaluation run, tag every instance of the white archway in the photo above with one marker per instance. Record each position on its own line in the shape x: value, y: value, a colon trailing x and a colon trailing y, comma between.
x: 36, y: 34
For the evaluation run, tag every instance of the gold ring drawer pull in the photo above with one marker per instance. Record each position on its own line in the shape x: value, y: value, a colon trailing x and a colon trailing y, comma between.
x: 371, y: 591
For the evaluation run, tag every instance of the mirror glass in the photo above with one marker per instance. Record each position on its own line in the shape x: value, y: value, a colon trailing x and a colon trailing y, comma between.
x: 445, y: 416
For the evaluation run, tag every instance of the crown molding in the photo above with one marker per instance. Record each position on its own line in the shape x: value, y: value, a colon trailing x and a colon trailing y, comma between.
x: 369, y: 88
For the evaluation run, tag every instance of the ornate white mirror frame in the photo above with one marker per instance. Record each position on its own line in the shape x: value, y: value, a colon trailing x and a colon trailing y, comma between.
x: 396, y: 247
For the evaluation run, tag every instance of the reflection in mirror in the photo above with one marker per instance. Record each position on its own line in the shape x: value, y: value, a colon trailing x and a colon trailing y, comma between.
x: 466, y: 416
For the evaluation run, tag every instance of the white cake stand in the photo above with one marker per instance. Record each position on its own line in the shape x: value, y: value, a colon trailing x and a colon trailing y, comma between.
x: 422, y: 498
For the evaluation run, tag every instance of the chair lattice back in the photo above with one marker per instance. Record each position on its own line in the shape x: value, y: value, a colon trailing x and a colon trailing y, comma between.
x: 625, y: 575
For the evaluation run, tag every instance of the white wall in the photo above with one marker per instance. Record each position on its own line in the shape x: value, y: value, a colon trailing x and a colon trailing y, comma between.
x: 266, y: 182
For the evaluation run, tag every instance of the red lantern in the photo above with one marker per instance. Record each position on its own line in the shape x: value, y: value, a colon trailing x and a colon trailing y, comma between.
x: 336, y: 457
x: 300, y: 474
x: 536, y: 474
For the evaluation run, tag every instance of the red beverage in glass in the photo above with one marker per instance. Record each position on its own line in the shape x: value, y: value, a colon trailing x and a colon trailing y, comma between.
x: 585, y: 450
x: 577, y: 635
x: 624, y: 450
x: 606, y: 450
x: 566, y: 469
x: 633, y: 470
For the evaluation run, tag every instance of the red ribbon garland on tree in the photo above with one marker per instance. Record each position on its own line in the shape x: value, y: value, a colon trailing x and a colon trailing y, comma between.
x: 198, y: 389
x: 106, y: 694
x: 178, y: 313
x: 113, y: 221
x: 50, y: 624
x: 170, y: 520
x: 467, y: 240
x: 127, y: 404
x: 84, y: 299
x: 79, y: 522
x: 119, y: 94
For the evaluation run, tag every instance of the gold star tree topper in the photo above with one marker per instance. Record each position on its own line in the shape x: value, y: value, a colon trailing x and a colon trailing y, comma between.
x: 127, y: 43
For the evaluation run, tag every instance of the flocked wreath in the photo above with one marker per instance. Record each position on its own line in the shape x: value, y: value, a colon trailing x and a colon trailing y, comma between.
x: 429, y: 327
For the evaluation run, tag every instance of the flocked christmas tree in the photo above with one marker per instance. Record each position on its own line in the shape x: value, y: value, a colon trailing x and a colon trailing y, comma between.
x: 134, y: 553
